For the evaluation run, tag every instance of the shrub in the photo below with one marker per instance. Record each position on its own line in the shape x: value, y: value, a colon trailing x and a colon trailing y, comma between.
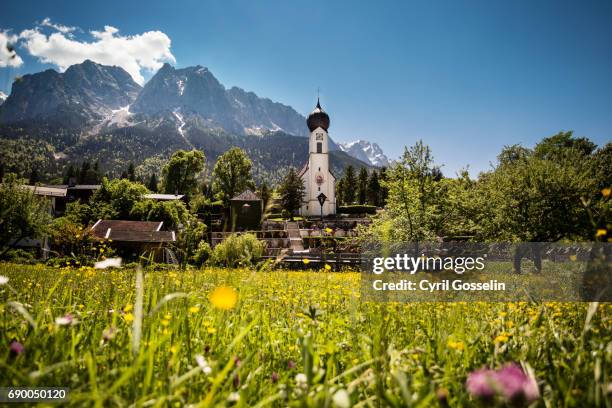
x: 202, y: 253
x: 238, y: 250
x: 357, y: 209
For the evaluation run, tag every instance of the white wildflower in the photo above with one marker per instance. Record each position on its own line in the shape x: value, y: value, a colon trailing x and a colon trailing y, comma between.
x: 3, y: 280
x: 341, y: 399
x: 203, y: 364
x: 108, y: 263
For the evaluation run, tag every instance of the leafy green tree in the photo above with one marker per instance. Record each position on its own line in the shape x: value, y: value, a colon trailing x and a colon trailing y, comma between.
x: 563, y: 145
x: 238, y: 250
x: 181, y: 173
x: 292, y: 192
x: 152, y: 183
x: 373, y: 190
x: 602, y: 166
x: 22, y: 214
x: 232, y: 174
x: 348, y: 185
x: 172, y: 213
x: 116, y: 198
x: 362, y: 186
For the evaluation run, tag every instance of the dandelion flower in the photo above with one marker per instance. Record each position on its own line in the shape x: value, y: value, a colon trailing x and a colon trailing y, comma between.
x: 601, y: 232
x: 328, y: 230
x: 306, y: 261
x: 194, y: 309
x: 3, y: 280
x: 327, y: 267
x: 606, y: 192
x: 224, y: 297
x: 128, y: 317
x: 502, y: 338
x: 456, y: 345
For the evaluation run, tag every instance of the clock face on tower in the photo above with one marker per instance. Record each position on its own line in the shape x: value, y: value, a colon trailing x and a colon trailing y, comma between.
x: 319, y: 179
x: 319, y: 136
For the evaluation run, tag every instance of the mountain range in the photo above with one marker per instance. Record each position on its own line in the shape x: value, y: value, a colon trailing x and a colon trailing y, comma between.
x: 365, y: 151
x: 98, y: 113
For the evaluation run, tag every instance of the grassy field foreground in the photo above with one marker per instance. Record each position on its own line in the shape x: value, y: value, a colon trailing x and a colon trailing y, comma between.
x: 236, y: 337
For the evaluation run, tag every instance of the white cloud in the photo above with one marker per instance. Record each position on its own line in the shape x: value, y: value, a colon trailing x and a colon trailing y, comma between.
x: 134, y: 53
x: 59, y: 27
x: 8, y: 56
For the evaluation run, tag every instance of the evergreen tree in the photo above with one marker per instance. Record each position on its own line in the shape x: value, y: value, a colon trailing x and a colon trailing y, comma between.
x: 131, y: 172
x: 152, y: 183
x: 124, y: 175
x: 340, y: 192
x: 348, y: 185
x: 70, y: 174
x: 264, y: 194
x: 34, y: 177
x: 374, y: 189
x: 292, y: 192
x: 85, y: 167
x: 384, y: 190
x: 362, y: 186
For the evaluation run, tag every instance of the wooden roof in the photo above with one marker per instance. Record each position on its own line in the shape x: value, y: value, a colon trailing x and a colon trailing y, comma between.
x: 246, y: 195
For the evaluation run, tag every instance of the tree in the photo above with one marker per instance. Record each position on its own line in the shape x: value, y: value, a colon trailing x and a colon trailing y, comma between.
x: 181, y: 173
x: 70, y: 174
x: 152, y: 183
x: 264, y: 194
x: 173, y: 213
x: 362, y: 186
x: 348, y: 185
x: 232, y: 174
x: 373, y: 190
x: 292, y: 192
x: 22, y: 214
x: 116, y: 198
x: 34, y: 177
x: 384, y: 191
x: 87, y: 174
x: 131, y: 172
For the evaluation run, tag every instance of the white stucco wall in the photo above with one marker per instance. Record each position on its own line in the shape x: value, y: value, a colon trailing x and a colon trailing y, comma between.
x: 318, y: 167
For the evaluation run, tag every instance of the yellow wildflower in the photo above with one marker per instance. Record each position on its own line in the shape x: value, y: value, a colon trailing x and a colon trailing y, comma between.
x: 194, y: 309
x: 606, y: 192
x: 128, y: 317
x: 327, y: 267
x: 306, y: 261
x: 501, y: 339
x: 601, y: 232
x: 456, y: 345
x: 223, y: 297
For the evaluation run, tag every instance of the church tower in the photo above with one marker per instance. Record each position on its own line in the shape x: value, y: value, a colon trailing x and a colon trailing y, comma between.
x: 316, y: 174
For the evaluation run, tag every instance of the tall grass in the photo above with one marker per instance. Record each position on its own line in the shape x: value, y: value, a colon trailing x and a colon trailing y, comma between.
x: 153, y: 338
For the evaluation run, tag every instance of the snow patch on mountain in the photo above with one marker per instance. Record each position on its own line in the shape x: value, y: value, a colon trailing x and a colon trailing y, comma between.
x: 3, y: 97
x: 365, y: 151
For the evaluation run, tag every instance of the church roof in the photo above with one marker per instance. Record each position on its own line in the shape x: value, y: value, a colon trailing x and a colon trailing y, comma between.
x: 246, y: 195
x: 318, y: 118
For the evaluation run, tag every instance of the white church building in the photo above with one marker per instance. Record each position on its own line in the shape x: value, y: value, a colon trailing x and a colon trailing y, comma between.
x: 318, y: 180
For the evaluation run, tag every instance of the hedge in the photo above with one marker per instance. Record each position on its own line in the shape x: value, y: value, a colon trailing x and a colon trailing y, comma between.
x: 357, y: 209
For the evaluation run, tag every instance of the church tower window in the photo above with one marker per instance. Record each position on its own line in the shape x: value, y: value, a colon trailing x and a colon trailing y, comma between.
x: 319, y: 147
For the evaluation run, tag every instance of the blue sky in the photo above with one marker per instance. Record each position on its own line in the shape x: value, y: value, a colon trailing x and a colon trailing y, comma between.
x: 466, y: 77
